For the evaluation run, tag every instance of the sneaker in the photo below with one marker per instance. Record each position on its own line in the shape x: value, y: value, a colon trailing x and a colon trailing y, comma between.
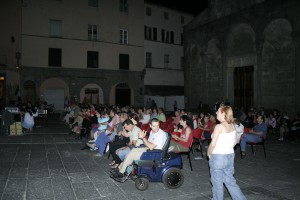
x: 91, y: 141
x: 120, y: 179
x: 94, y: 149
x: 117, y: 174
x: 198, y: 158
x: 280, y: 139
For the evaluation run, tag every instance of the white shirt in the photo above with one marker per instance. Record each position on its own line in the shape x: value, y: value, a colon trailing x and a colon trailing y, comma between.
x: 225, y: 142
x: 159, y: 138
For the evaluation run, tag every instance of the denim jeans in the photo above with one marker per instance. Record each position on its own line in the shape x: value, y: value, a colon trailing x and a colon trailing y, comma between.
x: 221, y: 171
x: 101, y: 142
x: 122, y: 153
x: 248, y: 138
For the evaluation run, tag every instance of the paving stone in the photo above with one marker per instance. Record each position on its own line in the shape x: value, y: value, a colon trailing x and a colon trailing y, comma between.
x: 73, y: 167
x: 85, y: 190
x: 2, y: 185
x: 18, y: 173
x: 62, y: 189
x: 38, y: 164
x: 16, y: 195
x: 55, y: 164
x: 39, y: 188
x: 15, y: 185
x: 40, y: 173
x: 21, y: 164
x: 78, y: 177
x: 58, y: 174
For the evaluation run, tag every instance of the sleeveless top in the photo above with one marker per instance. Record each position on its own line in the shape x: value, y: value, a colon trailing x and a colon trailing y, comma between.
x: 188, y: 142
x: 225, y: 142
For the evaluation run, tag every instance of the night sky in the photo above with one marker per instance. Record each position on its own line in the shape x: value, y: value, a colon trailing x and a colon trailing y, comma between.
x: 193, y: 7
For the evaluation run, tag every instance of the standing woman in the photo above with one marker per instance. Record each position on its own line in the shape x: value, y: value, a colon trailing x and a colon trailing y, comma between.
x: 221, y: 156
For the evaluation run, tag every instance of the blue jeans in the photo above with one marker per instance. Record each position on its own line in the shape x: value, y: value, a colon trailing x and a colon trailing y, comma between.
x: 101, y: 142
x: 248, y: 138
x: 122, y: 153
x: 221, y: 171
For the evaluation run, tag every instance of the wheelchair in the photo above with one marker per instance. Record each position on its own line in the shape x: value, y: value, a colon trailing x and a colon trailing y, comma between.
x: 157, y: 166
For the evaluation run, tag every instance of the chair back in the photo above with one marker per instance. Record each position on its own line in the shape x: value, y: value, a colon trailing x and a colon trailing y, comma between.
x: 165, y: 148
x: 197, y: 133
x: 144, y: 127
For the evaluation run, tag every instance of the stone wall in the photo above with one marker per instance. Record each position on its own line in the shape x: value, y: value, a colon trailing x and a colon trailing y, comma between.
x: 261, y: 34
x: 76, y: 79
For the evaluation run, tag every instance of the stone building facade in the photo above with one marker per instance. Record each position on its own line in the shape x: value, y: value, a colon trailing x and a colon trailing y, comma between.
x: 246, y: 52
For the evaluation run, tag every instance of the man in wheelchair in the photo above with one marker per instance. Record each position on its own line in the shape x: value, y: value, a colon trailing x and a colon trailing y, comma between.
x: 156, y: 140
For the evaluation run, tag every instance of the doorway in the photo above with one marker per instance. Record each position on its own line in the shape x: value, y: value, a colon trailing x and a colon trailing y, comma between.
x: 243, y: 87
x: 29, y: 91
x: 91, y: 95
x: 123, y: 94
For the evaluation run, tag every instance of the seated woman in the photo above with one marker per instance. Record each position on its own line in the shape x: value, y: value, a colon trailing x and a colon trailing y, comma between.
x: 209, y: 126
x: 28, y: 121
x: 182, y: 142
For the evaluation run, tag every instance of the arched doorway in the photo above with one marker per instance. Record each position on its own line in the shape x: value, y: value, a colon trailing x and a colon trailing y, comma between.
x: 123, y: 94
x: 92, y: 93
x: 29, y: 93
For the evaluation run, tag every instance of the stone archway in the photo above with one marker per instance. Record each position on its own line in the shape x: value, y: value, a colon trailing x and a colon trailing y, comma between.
x: 122, y: 94
x: 278, y: 66
x: 92, y: 93
x: 213, y: 58
x: 54, y: 91
x: 241, y: 53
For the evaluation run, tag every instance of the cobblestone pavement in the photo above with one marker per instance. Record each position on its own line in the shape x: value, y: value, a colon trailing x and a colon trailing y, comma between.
x: 48, y: 164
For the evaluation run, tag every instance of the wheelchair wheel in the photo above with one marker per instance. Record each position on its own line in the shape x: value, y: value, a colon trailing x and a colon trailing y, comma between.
x: 141, y: 183
x: 173, y: 178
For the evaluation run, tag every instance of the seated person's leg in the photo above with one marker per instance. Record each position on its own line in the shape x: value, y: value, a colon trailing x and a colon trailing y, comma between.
x: 134, y: 154
x: 122, y: 152
x: 175, y: 147
x: 101, y: 142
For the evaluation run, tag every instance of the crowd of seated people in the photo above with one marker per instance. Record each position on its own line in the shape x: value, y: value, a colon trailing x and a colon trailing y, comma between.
x: 120, y: 128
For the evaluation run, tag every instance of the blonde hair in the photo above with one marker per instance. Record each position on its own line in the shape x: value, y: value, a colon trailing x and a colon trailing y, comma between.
x: 228, y: 113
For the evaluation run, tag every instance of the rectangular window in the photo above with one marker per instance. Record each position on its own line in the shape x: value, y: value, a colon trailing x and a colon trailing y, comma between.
x: 123, y: 36
x: 148, y: 34
x: 93, y: 3
x: 148, y: 11
x: 148, y: 59
x: 167, y: 36
x: 155, y: 34
x: 55, y: 28
x: 166, y: 15
x: 172, y: 37
x: 166, y: 60
x: 92, y: 32
x: 92, y: 59
x: 54, y: 57
x: 162, y: 35
x: 123, y: 6
x: 124, y: 61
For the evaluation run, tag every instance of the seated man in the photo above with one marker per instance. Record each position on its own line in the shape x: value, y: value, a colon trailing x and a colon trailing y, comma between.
x: 256, y: 134
x: 156, y: 140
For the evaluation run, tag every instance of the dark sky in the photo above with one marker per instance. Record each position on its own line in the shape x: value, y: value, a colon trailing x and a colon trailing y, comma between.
x: 190, y: 6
